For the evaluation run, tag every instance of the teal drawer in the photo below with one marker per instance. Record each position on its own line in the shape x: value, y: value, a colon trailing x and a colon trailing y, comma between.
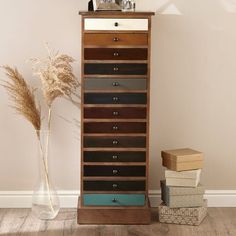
x: 114, y: 199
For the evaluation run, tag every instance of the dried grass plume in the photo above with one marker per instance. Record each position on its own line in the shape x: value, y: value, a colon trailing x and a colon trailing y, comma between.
x: 22, y: 96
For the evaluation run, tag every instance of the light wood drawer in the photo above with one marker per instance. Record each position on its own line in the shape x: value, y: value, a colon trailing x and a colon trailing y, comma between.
x: 115, y: 39
x: 117, y: 24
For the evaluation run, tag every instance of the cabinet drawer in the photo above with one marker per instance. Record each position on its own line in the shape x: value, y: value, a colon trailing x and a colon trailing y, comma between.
x: 115, y: 84
x: 114, y: 170
x: 115, y: 142
x: 115, y: 39
x: 115, y: 127
x: 115, y: 54
x: 114, y: 156
x: 115, y: 112
x: 115, y: 69
x: 114, y: 199
x: 115, y: 98
x: 114, y: 185
x: 115, y: 24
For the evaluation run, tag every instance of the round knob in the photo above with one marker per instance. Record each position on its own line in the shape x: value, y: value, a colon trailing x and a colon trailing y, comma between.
x: 115, y: 113
x: 116, y: 24
x: 115, y: 128
x: 115, y: 68
x: 114, y: 185
x: 114, y: 172
x: 114, y: 157
x: 114, y: 200
x: 115, y: 99
x: 115, y: 84
x: 115, y: 54
x: 114, y: 142
x: 115, y: 39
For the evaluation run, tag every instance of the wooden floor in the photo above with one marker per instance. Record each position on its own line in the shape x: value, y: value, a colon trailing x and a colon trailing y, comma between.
x: 220, y: 221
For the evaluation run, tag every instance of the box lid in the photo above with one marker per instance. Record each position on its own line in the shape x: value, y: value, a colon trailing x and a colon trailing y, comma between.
x: 182, y: 155
x: 188, y: 174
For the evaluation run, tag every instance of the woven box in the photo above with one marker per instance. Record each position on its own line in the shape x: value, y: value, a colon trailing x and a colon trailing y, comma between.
x: 182, y: 159
x: 182, y: 216
x: 175, y: 197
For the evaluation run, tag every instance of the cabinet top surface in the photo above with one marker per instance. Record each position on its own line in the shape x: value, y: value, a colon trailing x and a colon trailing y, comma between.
x: 116, y: 13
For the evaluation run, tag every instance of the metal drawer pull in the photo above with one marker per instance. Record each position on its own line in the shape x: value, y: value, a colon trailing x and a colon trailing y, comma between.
x: 115, y: 84
x: 114, y: 142
x: 114, y: 200
x: 115, y: 172
x: 115, y: 113
x: 115, y: 68
x: 114, y: 157
x: 115, y: 99
x: 116, y: 24
x: 115, y: 39
x: 114, y: 185
x: 115, y: 128
x: 116, y: 54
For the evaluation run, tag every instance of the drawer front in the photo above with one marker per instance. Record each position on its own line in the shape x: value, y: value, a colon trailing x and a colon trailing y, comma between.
x: 115, y: 24
x: 115, y: 98
x: 114, y: 185
x: 90, y: 156
x: 115, y: 142
x: 115, y: 112
x: 115, y: 69
x: 114, y: 199
x: 115, y: 84
x: 115, y: 54
x: 115, y: 39
x: 115, y: 127
x: 114, y: 170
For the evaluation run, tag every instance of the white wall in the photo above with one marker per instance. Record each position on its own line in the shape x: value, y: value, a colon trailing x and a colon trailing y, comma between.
x: 193, y: 86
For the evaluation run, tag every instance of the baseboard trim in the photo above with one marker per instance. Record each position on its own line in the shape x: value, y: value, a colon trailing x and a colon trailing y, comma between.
x: 68, y: 199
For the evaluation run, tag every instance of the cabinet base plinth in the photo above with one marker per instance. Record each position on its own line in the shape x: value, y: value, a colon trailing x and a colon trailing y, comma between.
x: 115, y: 216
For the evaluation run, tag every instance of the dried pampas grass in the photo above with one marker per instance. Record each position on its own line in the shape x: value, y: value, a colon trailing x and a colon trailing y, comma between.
x: 23, y: 97
x: 56, y: 75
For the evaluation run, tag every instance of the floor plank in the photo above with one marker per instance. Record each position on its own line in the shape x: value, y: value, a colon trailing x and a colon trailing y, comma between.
x: 219, y: 222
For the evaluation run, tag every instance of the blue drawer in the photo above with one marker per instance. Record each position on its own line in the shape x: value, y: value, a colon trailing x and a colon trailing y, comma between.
x: 114, y: 199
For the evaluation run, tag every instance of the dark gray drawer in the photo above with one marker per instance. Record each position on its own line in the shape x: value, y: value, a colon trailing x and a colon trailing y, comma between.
x: 115, y: 69
x: 115, y: 84
x: 115, y: 142
x: 115, y: 98
x: 90, y: 156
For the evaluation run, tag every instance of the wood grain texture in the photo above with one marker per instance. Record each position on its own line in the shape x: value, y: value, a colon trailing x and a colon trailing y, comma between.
x: 219, y: 222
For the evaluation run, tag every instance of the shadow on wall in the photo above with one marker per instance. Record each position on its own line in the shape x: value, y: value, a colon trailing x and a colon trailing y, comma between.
x: 193, y: 76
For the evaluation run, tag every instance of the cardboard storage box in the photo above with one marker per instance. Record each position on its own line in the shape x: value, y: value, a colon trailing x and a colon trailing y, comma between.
x: 182, y: 159
x: 175, y: 197
x: 182, y: 216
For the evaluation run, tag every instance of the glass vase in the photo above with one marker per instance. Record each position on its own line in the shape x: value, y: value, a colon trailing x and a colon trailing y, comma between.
x: 45, y: 200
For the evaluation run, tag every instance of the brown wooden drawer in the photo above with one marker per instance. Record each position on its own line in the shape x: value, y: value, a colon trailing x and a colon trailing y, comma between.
x: 115, y: 112
x: 115, y: 54
x: 116, y: 39
x: 115, y: 142
x: 115, y: 127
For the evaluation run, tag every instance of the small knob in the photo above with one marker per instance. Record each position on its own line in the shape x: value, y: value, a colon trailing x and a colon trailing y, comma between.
x: 114, y: 185
x: 115, y: 113
x: 114, y: 157
x: 116, y: 24
x: 115, y: 68
x: 115, y: 84
x: 115, y: 39
x: 115, y: 54
x: 114, y: 200
x: 115, y: 99
x: 115, y: 127
x: 114, y: 142
x: 114, y: 172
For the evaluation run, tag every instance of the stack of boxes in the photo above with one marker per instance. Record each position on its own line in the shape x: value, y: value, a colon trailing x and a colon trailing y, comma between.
x: 181, y: 191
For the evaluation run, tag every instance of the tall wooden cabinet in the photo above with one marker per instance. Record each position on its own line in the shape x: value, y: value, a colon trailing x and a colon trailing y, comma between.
x: 115, y: 118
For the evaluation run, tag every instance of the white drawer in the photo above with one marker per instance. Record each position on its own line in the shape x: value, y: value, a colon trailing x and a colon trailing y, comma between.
x: 115, y: 24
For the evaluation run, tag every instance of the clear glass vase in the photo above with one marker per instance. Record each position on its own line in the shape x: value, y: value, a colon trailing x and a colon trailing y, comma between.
x: 45, y: 201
